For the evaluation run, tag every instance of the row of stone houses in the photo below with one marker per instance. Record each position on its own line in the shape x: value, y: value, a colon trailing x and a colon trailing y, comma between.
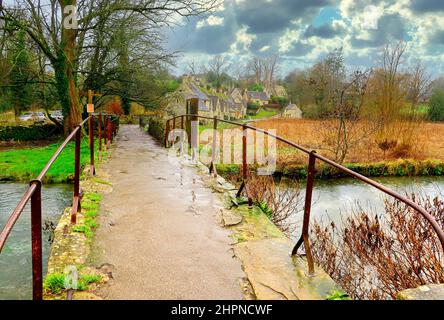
x: 225, y: 105
x: 230, y: 104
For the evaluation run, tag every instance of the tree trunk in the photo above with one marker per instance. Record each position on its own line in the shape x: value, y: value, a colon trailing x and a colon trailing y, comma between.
x: 66, y: 80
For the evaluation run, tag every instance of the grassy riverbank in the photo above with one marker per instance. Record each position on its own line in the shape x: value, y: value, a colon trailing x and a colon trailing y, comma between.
x: 397, y: 168
x: 25, y: 164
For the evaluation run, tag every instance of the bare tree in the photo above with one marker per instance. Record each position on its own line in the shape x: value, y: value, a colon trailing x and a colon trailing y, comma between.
x: 192, y: 68
x: 390, y: 88
x: 217, y: 68
x: 264, y: 70
x: 256, y: 68
x: 271, y: 68
x: 345, y: 126
x: 419, y: 85
x: 51, y: 25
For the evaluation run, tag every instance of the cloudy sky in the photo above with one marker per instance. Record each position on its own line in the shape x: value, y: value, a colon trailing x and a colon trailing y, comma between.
x: 303, y: 31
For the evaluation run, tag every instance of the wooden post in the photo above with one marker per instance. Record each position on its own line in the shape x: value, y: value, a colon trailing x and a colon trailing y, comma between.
x: 91, y: 134
x: 91, y: 145
x: 245, y: 164
x: 213, y: 169
x: 181, y: 134
x: 193, y: 131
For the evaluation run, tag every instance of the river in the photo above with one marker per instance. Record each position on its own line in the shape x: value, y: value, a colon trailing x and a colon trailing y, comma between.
x: 15, y: 260
x: 333, y: 199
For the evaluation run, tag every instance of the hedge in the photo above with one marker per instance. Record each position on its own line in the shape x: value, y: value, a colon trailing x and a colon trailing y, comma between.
x: 156, y: 128
x: 398, y: 168
x: 31, y: 133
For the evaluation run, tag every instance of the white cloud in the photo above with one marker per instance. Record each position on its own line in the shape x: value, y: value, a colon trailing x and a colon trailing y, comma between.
x: 210, y: 21
x: 243, y: 41
x: 357, y: 27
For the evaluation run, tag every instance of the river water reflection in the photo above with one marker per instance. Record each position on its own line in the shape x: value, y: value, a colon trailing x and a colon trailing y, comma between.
x: 15, y: 260
x: 340, y: 197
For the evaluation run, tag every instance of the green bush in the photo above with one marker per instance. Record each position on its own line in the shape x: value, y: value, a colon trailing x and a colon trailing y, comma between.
x: 436, y: 106
x: 282, y: 101
x: 256, y: 87
x: 156, y: 128
x: 252, y: 108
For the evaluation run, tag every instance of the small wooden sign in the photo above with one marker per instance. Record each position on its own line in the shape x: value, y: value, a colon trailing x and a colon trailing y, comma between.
x: 90, y: 108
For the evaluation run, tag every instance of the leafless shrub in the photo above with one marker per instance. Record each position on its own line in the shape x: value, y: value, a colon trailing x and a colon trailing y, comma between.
x: 374, y: 259
x: 279, y: 200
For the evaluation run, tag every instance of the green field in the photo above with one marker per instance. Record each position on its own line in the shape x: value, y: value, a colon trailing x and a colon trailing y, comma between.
x: 264, y: 114
x: 25, y: 164
x: 220, y: 126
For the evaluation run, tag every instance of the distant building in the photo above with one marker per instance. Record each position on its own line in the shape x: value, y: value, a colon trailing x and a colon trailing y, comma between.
x: 227, y: 105
x: 292, y: 111
x: 259, y: 98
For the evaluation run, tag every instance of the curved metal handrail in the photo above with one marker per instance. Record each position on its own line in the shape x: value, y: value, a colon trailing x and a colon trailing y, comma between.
x: 32, y: 188
x: 33, y: 194
x: 434, y: 224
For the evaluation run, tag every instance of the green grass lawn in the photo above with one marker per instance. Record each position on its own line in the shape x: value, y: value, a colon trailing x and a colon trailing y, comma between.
x: 264, y: 114
x: 220, y: 126
x: 26, y: 164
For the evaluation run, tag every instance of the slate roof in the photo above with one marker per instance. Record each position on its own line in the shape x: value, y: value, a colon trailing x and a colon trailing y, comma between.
x: 201, y: 96
x: 292, y: 106
x: 258, y: 95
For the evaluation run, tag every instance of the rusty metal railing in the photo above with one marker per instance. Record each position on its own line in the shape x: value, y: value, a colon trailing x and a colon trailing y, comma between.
x: 312, y: 157
x: 34, y: 192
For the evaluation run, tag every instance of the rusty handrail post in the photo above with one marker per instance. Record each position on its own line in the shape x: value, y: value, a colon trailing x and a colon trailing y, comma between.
x: 76, y: 198
x: 105, y: 136
x: 213, y: 170
x: 91, y: 145
x: 112, y: 130
x: 36, y: 236
x: 108, y: 131
x: 167, y: 132
x: 173, y: 128
x: 99, y: 128
x: 307, y: 210
x: 245, y: 167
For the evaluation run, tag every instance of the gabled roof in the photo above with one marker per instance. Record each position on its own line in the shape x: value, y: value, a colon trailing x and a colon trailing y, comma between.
x: 232, y: 91
x: 292, y: 106
x: 258, y: 95
x: 199, y: 94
